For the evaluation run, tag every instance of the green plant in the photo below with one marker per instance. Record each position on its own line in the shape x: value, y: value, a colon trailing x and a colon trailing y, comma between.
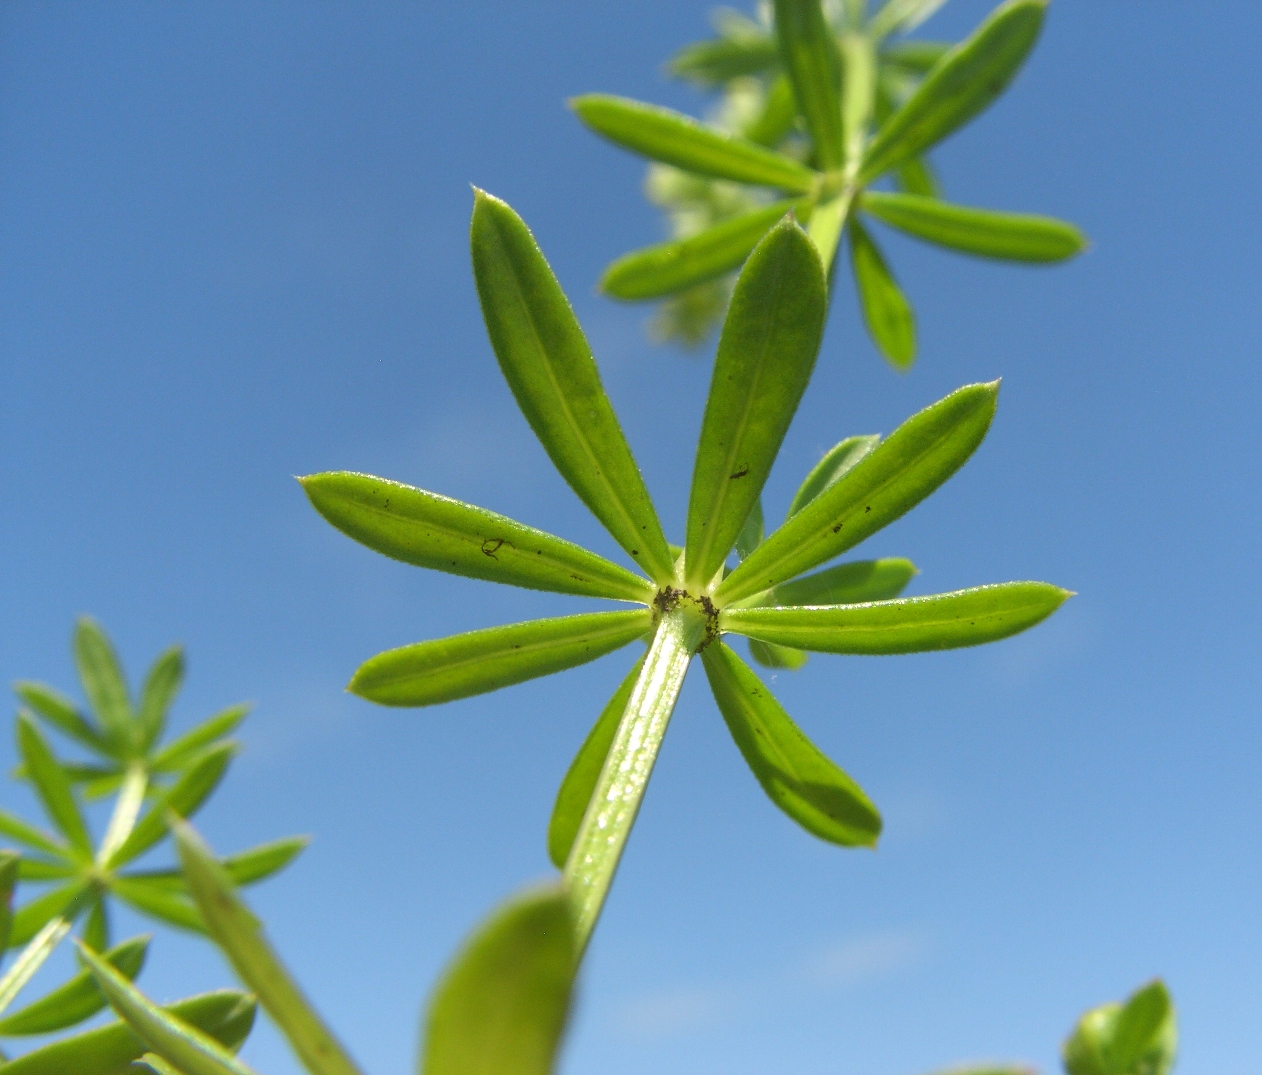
x: 502, y: 1006
x: 687, y: 601
x: 134, y: 766
x: 818, y: 106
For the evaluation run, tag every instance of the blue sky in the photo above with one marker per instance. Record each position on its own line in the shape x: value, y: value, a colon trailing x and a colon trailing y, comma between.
x: 233, y: 241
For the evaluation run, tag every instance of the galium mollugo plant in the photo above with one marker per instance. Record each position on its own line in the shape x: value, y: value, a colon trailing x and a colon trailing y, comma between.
x: 838, y: 109
x: 686, y: 601
x: 176, y: 778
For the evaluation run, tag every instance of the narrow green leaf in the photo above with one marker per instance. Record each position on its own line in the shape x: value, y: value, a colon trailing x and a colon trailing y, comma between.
x: 501, y: 1006
x: 15, y: 828
x: 902, y: 16
x: 669, y: 267
x: 30, y: 919
x: 9, y: 864
x: 183, y: 798
x: 828, y: 471
x: 77, y: 1000
x: 859, y: 99
x: 808, y: 51
x: 779, y: 114
x: 245, y: 868
x: 187, y: 747
x: 910, y: 625
x: 96, y: 927
x: 919, y: 57
x: 711, y: 63
x: 259, y: 863
x: 549, y: 367
x: 965, y: 81
x: 673, y: 138
x: 827, y: 222
x: 1140, y: 1026
x: 886, y: 311
x: 891, y: 480
x: 152, y: 1064
x: 155, y: 899
x: 848, y: 584
x: 433, y: 531
x: 53, y: 788
x: 59, y: 711
x: 1011, y: 236
x: 226, y: 1015
x: 916, y: 176
x: 103, y: 681
x: 37, y: 869
x: 752, y: 532
x: 580, y: 780
x: 766, y: 354
x: 427, y: 673
x: 176, y: 1041
x: 776, y: 656
x: 795, y: 775
x: 240, y: 936
x: 161, y: 687
x: 91, y: 776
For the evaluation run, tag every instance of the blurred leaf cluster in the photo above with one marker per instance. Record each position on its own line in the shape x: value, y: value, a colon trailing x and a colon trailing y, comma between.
x: 818, y: 107
x: 150, y: 781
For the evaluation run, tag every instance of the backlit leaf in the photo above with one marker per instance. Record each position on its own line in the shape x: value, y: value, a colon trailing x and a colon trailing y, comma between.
x: 711, y: 63
x: 226, y: 1015
x: 766, y: 354
x: 909, y: 625
x: 837, y: 460
x: 448, y: 668
x: 53, y: 788
x: 799, y: 779
x: 669, y: 267
x: 673, y: 138
x: 890, y: 480
x: 964, y: 82
x: 848, y: 584
x: 437, y: 532
x: 59, y: 711
x: 501, y: 1006
x: 886, y: 311
x: 79, y: 999
x: 808, y: 51
x: 239, y: 936
x: 180, y: 1043
x: 1011, y: 236
x: 179, y: 752
x: 184, y: 798
x: 549, y: 367
x: 161, y: 687
x: 103, y: 681
x: 155, y: 899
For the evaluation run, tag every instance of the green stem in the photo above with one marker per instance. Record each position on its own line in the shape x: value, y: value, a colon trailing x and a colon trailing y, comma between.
x: 32, y: 958
x: 131, y: 797
x: 825, y: 226
x: 616, y: 800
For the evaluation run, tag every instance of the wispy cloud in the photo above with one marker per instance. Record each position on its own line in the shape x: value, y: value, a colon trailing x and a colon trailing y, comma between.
x: 862, y: 960
x: 851, y: 963
x: 674, y: 1011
